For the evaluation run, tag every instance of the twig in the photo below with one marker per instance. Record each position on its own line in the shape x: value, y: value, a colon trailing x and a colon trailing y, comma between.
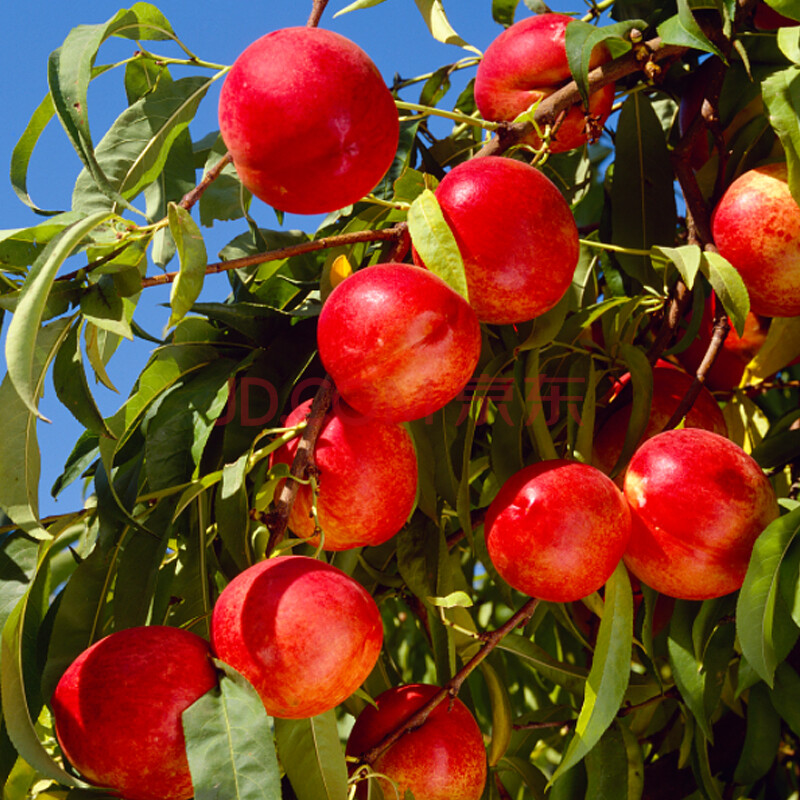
x: 548, y: 110
x: 678, y: 304
x: 356, y: 237
x: 453, y: 686
x: 316, y: 13
x: 190, y: 198
x: 718, y: 334
x: 278, y: 519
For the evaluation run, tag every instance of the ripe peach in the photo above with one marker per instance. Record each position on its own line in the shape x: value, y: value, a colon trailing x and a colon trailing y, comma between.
x: 698, y: 502
x: 118, y: 707
x: 756, y: 226
x: 308, y: 120
x: 304, y: 633
x: 557, y: 529
x: 528, y: 62
x: 367, y: 478
x: 670, y: 384
x: 398, y: 342
x: 443, y: 759
x: 516, y: 234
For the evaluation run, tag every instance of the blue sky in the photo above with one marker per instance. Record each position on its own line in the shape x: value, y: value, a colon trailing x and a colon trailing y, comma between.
x: 393, y: 33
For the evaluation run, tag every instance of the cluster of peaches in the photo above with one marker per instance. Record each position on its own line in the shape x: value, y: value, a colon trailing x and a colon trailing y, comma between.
x: 399, y: 344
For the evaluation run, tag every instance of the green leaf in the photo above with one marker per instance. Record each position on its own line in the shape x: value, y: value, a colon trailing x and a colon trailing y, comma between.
x: 70, y: 69
x: 755, y: 609
x: 610, y: 672
x: 21, y: 156
x: 357, y: 5
x: 19, y: 449
x: 72, y: 388
x: 642, y: 384
x: 782, y: 99
x: 729, y: 287
x: 784, y: 696
x: 313, y: 757
x: 226, y: 198
x: 435, y: 18
x: 502, y: 716
x: 683, y: 29
x: 614, y: 767
x: 435, y: 242
x: 452, y: 600
x: 782, y: 346
x: 762, y: 738
x: 22, y: 332
x: 786, y: 7
x: 134, y: 151
x: 194, y: 260
x: 232, y: 511
x: 229, y: 743
x: 503, y: 11
x: 686, y: 259
x: 643, y: 212
x: 581, y: 38
x: 18, y: 557
x: 560, y: 673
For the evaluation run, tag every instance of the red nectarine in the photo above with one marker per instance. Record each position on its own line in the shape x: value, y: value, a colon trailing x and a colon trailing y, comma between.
x: 367, y: 478
x: 308, y: 120
x: 756, y: 226
x: 443, y: 759
x: 528, y: 62
x: 117, y: 710
x: 398, y: 342
x: 516, y: 234
x: 557, y: 529
x: 698, y: 502
x: 304, y: 633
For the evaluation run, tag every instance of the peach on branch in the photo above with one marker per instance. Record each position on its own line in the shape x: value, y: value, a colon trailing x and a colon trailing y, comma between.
x: 442, y: 759
x: 516, y: 235
x: 366, y: 474
x: 527, y: 63
x: 398, y: 342
x: 118, y: 707
x: 557, y: 529
x: 308, y: 119
x: 698, y: 503
x: 756, y: 226
x: 304, y: 633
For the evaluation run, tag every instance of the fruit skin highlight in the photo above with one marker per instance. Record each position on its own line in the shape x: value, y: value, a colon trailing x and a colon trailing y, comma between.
x: 304, y: 633
x: 516, y: 235
x: 756, y: 226
x: 528, y: 62
x: 308, y: 119
x: 557, y: 529
x: 443, y: 759
x: 367, y: 479
x: 398, y: 342
x: 698, y: 503
x: 118, y: 706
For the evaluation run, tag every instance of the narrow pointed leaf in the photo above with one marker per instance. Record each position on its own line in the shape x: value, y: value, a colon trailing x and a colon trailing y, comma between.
x: 193, y: 258
x: 610, y: 672
x: 780, y: 94
x: 21, y: 340
x: 755, y: 609
x: 229, y: 743
x: 435, y: 242
x: 686, y: 260
x: 729, y: 287
x: 435, y: 18
x: 19, y: 448
x: 683, y: 29
x: 313, y: 757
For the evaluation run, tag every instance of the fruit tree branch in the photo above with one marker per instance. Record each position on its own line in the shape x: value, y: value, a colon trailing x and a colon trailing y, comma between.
x: 278, y: 519
x: 642, y: 56
x: 355, y: 237
x: 453, y: 686
x: 191, y: 197
x: 316, y: 13
x: 718, y: 334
